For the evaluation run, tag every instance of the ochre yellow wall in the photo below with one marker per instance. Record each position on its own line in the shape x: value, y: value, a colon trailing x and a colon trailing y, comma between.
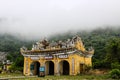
x: 8, y: 67
x: 75, y: 59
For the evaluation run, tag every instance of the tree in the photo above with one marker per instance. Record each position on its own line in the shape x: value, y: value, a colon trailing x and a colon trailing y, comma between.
x: 115, y: 74
x: 18, y: 64
x: 113, y: 51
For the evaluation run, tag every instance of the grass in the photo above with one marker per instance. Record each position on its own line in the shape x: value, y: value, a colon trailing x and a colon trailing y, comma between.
x: 78, y: 77
x: 10, y: 75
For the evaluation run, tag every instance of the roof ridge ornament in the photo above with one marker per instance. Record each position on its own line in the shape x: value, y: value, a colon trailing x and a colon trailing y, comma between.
x: 46, y: 46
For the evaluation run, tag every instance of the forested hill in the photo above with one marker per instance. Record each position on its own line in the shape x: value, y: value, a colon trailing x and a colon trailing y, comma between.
x: 11, y: 44
x: 97, y: 38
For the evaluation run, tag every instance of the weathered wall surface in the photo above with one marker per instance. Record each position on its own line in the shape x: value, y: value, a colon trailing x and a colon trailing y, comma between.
x: 74, y: 60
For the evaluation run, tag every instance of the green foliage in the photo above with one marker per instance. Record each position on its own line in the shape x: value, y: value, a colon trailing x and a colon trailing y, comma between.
x: 100, y: 64
x: 115, y: 65
x: 113, y: 53
x: 12, y: 45
x: 87, y: 68
x: 62, y: 77
x: 18, y: 64
x: 99, y: 39
x: 1, y: 64
x: 106, y: 43
x: 115, y: 73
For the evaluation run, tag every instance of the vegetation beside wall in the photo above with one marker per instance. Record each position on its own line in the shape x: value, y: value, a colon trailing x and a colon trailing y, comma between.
x: 106, y: 43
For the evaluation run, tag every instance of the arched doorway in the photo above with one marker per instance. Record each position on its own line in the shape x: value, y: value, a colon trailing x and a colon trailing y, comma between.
x: 82, y: 68
x: 34, y: 68
x: 64, y: 67
x: 49, y: 68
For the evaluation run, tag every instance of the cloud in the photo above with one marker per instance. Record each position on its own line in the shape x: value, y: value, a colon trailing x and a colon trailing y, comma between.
x: 46, y: 17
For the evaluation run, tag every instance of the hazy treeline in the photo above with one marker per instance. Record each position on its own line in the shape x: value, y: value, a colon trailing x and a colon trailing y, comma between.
x: 11, y: 45
x: 98, y: 39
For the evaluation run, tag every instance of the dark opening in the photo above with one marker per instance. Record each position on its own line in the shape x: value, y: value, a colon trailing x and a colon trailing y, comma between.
x: 65, y: 68
x: 37, y: 67
x: 51, y: 68
x: 81, y: 68
x: 34, y: 67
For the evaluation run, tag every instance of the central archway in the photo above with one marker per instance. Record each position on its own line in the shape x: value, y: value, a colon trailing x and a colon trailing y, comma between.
x: 49, y: 68
x: 64, y: 67
x: 34, y: 68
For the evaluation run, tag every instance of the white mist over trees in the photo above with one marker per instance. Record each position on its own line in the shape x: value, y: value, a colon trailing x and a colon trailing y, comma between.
x: 41, y: 18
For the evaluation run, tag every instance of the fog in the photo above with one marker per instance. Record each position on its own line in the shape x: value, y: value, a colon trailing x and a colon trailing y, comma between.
x: 42, y: 18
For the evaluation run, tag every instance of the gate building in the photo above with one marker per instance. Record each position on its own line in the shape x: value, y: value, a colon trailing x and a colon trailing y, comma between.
x: 59, y: 58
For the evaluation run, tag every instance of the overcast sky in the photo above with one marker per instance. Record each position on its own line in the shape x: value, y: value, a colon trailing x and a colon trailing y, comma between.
x: 46, y: 17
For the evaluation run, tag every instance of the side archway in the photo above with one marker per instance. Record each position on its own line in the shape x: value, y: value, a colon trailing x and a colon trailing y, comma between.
x: 49, y: 68
x: 34, y: 68
x: 64, y: 67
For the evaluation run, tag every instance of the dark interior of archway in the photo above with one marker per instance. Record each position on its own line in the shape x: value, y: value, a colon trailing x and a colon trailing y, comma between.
x: 51, y: 68
x: 65, y: 68
x: 37, y: 67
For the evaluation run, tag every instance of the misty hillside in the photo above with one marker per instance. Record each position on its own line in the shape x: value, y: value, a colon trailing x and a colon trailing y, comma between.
x: 11, y: 45
x: 97, y: 38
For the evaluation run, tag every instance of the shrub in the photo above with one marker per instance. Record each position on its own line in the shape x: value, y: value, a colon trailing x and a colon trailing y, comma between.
x: 88, y: 67
x: 115, y: 65
x: 15, y: 68
x: 115, y: 73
